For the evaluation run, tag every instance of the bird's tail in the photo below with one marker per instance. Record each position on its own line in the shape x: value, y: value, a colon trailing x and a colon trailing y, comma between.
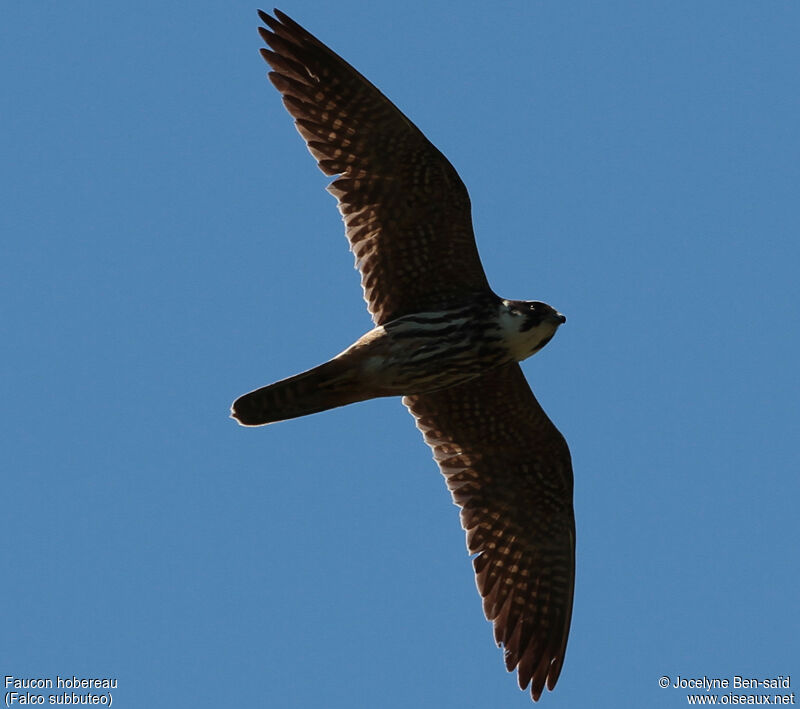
x: 327, y: 386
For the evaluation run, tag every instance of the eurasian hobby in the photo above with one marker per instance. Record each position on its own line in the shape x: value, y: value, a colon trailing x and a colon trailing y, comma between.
x: 443, y: 340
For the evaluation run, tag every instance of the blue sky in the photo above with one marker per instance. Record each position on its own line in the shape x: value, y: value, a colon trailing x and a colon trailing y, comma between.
x: 168, y: 245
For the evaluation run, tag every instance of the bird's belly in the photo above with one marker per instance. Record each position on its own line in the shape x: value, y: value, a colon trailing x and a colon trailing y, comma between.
x: 408, y: 362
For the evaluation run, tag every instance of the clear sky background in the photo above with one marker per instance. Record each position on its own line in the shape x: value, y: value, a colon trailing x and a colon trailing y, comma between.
x: 167, y: 245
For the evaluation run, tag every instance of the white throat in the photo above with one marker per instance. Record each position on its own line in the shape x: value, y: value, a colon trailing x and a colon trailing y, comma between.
x: 524, y: 343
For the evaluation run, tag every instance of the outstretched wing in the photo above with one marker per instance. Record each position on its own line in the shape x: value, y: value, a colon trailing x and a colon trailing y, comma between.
x: 406, y: 211
x: 509, y: 470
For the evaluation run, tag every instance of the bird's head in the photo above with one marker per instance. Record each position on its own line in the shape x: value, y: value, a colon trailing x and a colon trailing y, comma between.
x: 528, y: 325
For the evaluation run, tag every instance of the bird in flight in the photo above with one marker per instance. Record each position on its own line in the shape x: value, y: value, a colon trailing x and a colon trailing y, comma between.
x: 443, y: 340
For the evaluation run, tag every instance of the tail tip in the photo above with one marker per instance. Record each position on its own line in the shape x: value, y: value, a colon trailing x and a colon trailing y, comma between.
x: 245, y: 413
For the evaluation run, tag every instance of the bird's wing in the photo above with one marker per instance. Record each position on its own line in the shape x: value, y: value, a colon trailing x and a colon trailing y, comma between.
x: 509, y: 470
x: 406, y: 211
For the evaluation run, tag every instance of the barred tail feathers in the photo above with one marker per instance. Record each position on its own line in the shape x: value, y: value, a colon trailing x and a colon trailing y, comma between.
x: 332, y: 384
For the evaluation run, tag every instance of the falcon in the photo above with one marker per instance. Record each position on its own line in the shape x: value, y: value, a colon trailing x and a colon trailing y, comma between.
x: 443, y: 340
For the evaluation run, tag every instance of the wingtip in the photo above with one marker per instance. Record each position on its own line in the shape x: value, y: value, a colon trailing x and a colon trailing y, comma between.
x: 279, y: 19
x: 265, y: 34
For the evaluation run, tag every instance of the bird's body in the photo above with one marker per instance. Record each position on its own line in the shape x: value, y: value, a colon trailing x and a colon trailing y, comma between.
x: 443, y: 340
x: 413, y: 354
